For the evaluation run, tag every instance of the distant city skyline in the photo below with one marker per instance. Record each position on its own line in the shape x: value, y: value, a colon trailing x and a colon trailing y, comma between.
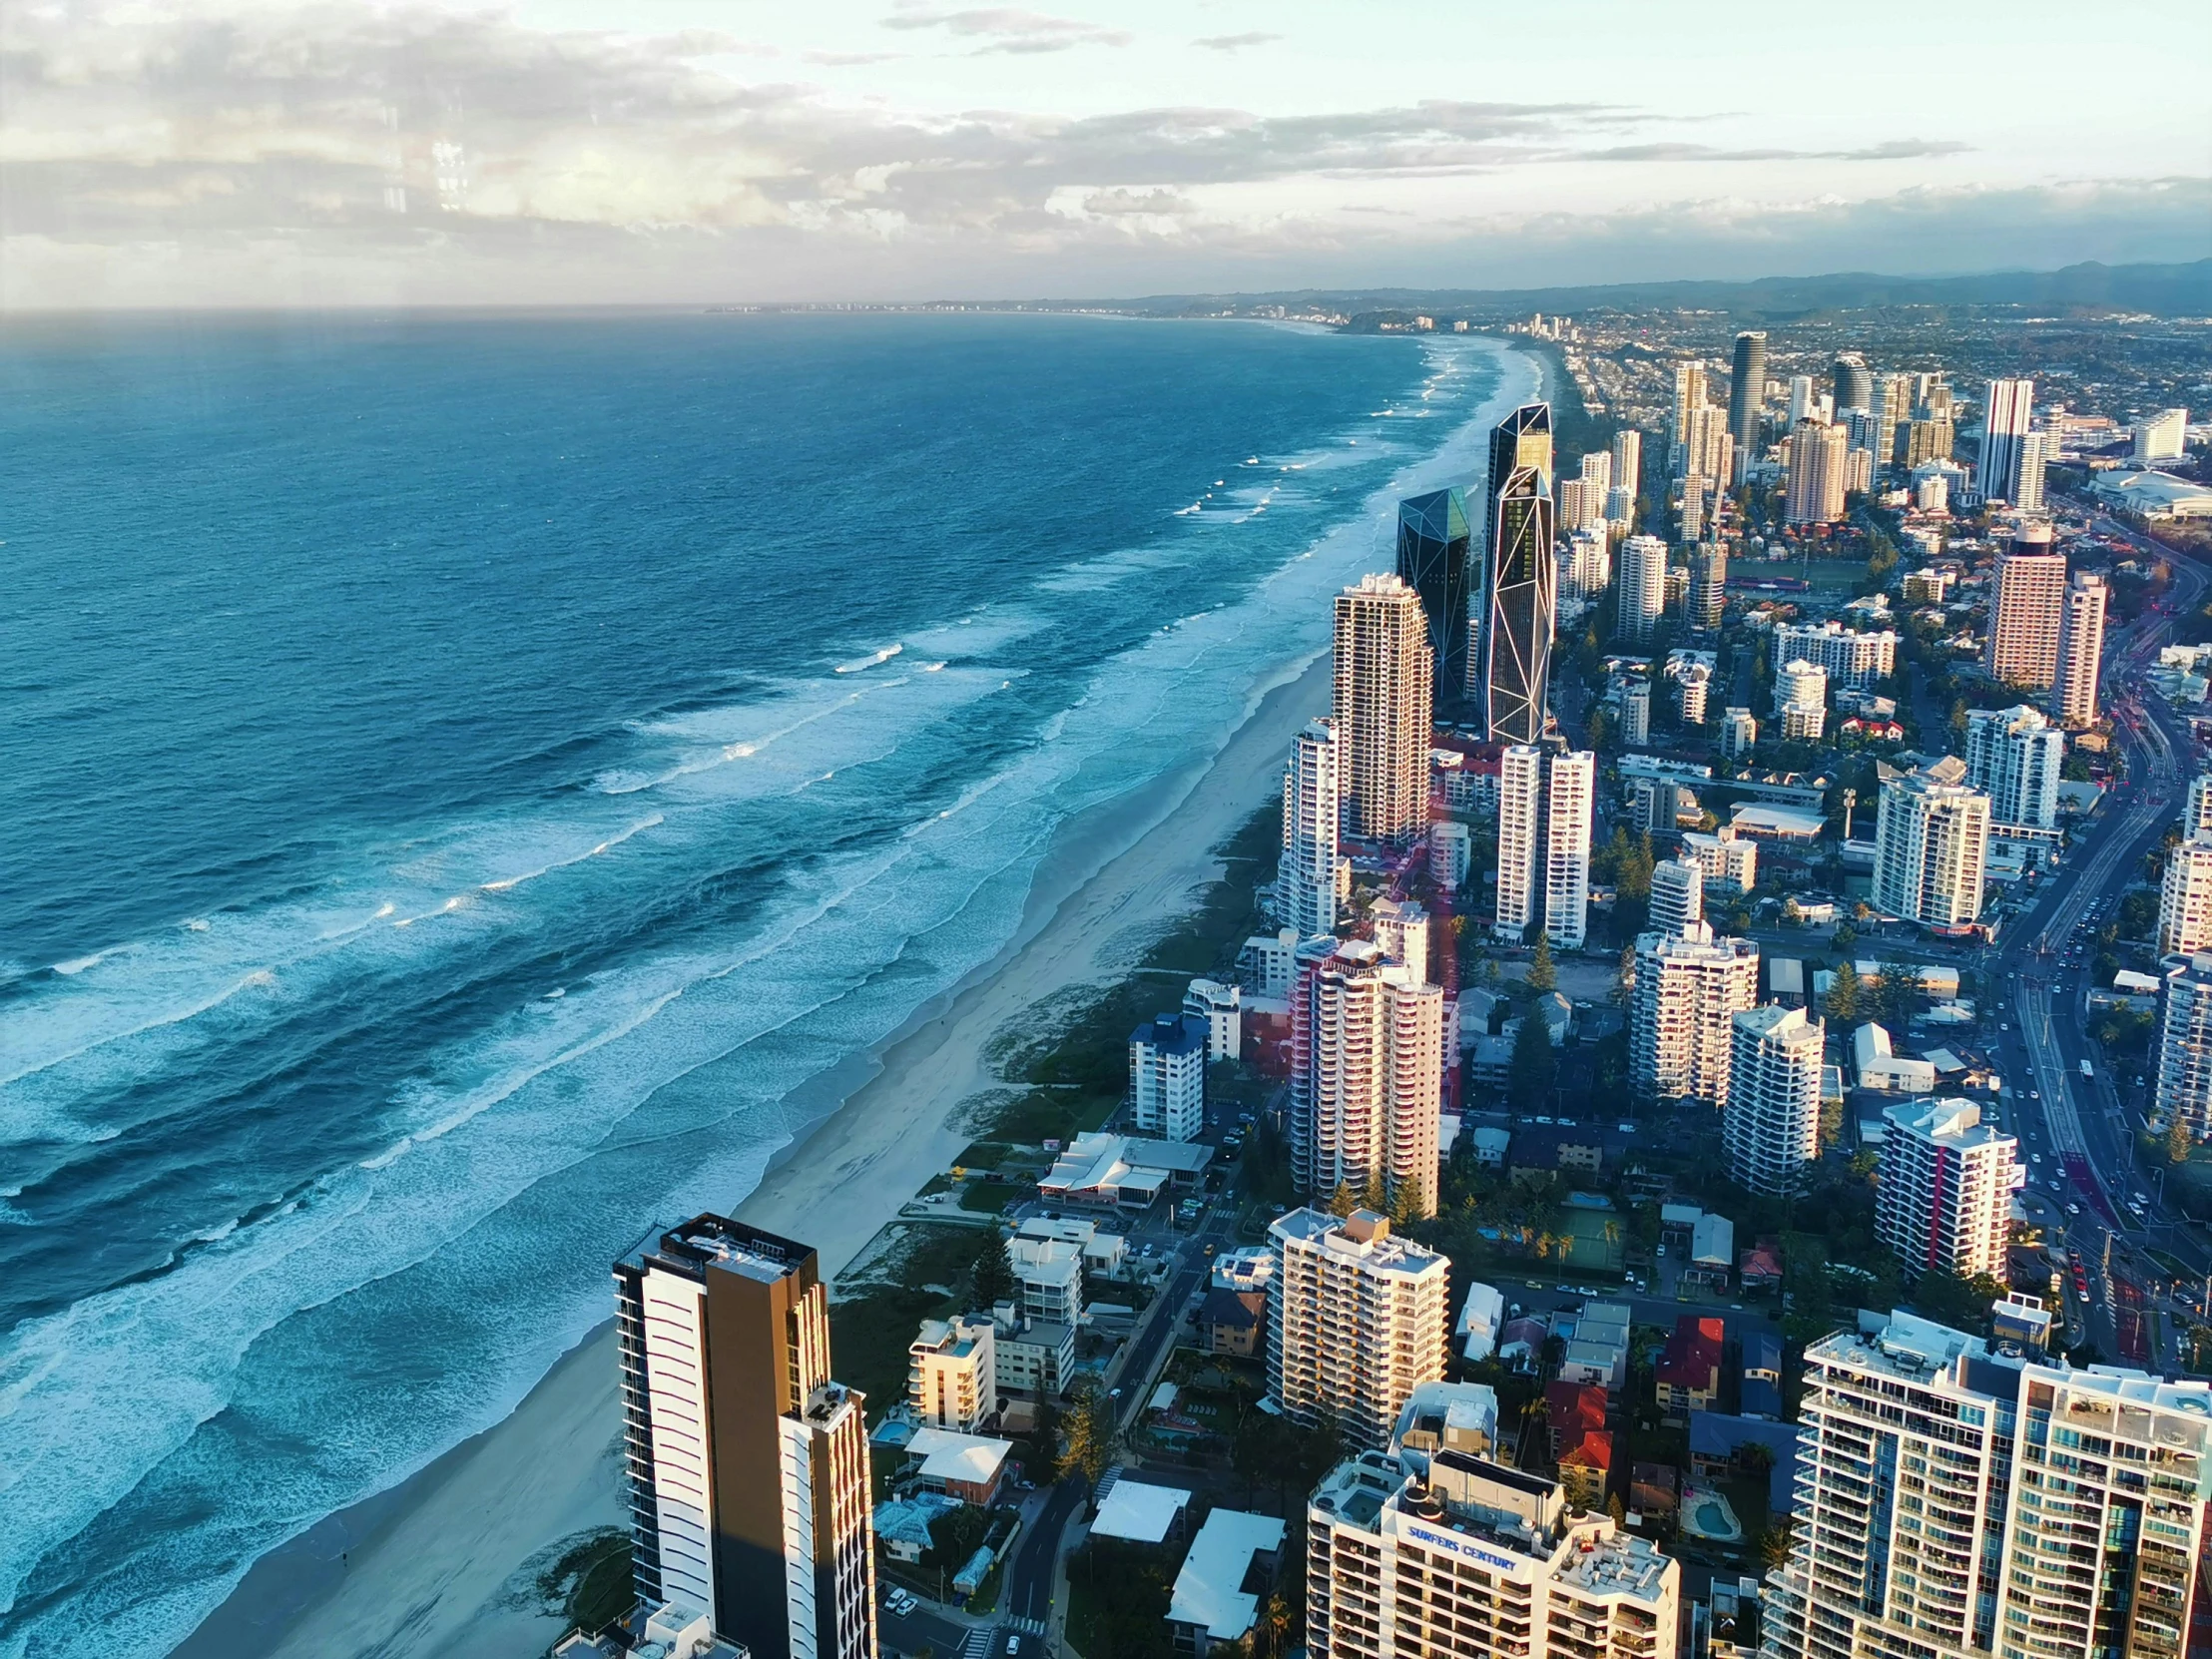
x: 576, y: 151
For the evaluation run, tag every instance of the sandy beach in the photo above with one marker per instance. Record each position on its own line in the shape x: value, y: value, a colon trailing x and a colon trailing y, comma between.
x: 445, y: 1562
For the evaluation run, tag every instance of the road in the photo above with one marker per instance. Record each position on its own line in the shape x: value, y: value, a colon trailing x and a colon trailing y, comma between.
x: 2081, y: 1155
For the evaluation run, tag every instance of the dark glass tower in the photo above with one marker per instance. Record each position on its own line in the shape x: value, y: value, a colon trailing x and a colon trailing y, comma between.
x: 1522, y: 438
x: 1433, y: 536
x: 1853, y: 388
x: 1523, y: 598
x: 1746, y: 391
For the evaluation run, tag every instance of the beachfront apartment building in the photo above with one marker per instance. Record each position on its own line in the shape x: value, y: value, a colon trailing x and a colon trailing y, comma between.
x: 1311, y: 874
x: 1167, y: 1076
x: 1445, y: 1552
x: 1957, y: 1502
x: 748, y: 1466
x: 1384, y: 696
x: 953, y: 1373
x: 1367, y: 1074
x: 1689, y: 988
x: 1356, y: 1322
x: 1944, y: 1196
x: 1048, y: 1272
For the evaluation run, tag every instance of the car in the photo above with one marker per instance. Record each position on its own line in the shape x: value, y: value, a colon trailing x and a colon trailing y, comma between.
x: 2034, y: 1157
x: 2001, y: 1027
x: 1014, y: 1645
x: 2073, y: 1209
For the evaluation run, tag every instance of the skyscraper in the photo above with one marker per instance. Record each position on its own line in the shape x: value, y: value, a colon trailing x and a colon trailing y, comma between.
x: 2185, y: 898
x: 1367, y: 1083
x: 2183, y: 1056
x: 2006, y: 419
x: 1383, y: 701
x: 1520, y: 836
x: 1305, y: 879
x: 1640, y: 587
x: 1517, y: 620
x: 1815, y: 487
x: 1570, y: 789
x: 1677, y: 894
x: 748, y: 1466
x: 1355, y: 1321
x: 1708, y: 585
x: 1747, y: 394
x: 1772, y: 1125
x: 1433, y: 556
x: 2028, y: 479
x: 1853, y: 384
x: 2196, y: 811
x: 1689, y: 397
x: 1543, y: 844
x: 1689, y: 988
x: 2028, y: 613
x: 2014, y: 757
x: 1892, y: 411
x: 1932, y: 839
x: 2073, y: 691
x: 1946, y: 1510
x: 2163, y: 437
x: 1628, y: 462
x: 1944, y: 1195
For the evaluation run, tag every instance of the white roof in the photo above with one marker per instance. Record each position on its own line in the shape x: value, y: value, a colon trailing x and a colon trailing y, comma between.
x: 1139, y: 1512
x: 1164, y: 1398
x: 1205, y: 1590
x: 1484, y: 1307
x: 1797, y: 823
x: 1714, y: 1241
x: 973, y: 1459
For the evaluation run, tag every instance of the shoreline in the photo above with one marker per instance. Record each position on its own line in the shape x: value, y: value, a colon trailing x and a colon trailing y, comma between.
x: 447, y: 1560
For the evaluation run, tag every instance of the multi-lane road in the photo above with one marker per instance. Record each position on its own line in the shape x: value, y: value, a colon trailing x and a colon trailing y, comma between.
x: 2101, y: 1206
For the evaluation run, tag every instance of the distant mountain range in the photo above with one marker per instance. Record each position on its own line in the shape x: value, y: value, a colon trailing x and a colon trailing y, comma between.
x: 2161, y: 289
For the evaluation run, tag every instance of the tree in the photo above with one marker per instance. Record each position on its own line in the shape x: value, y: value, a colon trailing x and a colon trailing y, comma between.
x: 994, y: 1273
x: 1774, y: 1544
x: 1542, y: 975
x: 1617, y: 1509
x: 1625, y: 982
x: 1534, y: 1071
x: 1376, y: 1195
x: 1409, y: 1201
x: 1792, y: 915
x: 1846, y: 938
x: 2177, y: 1139
x: 1087, y: 1434
x: 1842, y: 996
x: 1343, y: 1200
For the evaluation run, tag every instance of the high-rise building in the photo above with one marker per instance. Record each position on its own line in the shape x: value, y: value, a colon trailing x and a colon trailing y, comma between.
x: 1522, y: 439
x: 1677, y: 894
x: 2185, y: 898
x: 1801, y: 701
x: 1816, y: 489
x: 1383, y: 709
x: 1853, y: 382
x: 1367, y: 1074
x: 1620, y: 509
x: 1516, y: 668
x: 1597, y: 475
x: 1570, y: 790
x: 1434, y: 558
x: 1543, y: 844
x: 1803, y: 404
x: 1356, y: 1322
x: 1306, y: 881
x: 1574, y: 506
x: 1952, y: 1506
x: 1692, y: 685
x: 1689, y: 988
x: 1944, y: 1196
x: 2073, y: 691
x: 2163, y: 437
x: 2008, y: 417
x: 1707, y: 447
x: 748, y: 1466
x: 2035, y: 451
x: 2182, y: 1058
x: 1402, y: 935
x: 1892, y: 411
x: 1747, y: 392
x: 1628, y: 465
x: 2197, y: 804
x: 1708, y: 585
x: 1690, y: 396
x: 1586, y: 568
x: 2028, y: 613
x: 1772, y: 1125
x: 1738, y: 735
x: 952, y: 1373
x: 1167, y: 1077
x: 2014, y: 755
x: 1854, y: 661
x: 1640, y: 587
x: 1697, y: 489
x: 1932, y: 839
x: 1636, y: 713
x: 1445, y: 1552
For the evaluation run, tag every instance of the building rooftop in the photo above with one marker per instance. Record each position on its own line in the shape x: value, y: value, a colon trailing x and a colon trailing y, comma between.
x: 715, y: 1241
x: 1621, y: 1565
x: 973, y: 1460
x: 1139, y: 1512
x: 1210, y: 1590
x: 1363, y: 1236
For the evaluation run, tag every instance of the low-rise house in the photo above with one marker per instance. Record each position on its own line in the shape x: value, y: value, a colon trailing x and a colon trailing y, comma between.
x: 1482, y: 1318
x: 970, y: 1467
x: 1586, y: 1469
x: 1712, y: 1251
x: 1721, y: 1447
x: 1227, y: 1574
x: 1759, y: 1267
x: 1139, y: 1512
x: 1655, y: 1490
x: 1234, y: 1323
x: 1687, y: 1374
x: 1572, y: 1410
x: 902, y: 1525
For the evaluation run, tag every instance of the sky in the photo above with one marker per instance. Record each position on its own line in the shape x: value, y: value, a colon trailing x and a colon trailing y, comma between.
x: 345, y: 151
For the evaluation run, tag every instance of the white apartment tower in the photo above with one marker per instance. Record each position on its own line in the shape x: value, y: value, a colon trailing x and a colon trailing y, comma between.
x: 2163, y: 437
x: 2185, y: 898
x: 1402, y: 935
x: 1546, y: 802
x: 2027, y: 616
x: 1772, y: 1123
x: 1308, y: 878
x: 1447, y: 1555
x: 1689, y: 989
x: 1801, y: 701
x: 1689, y: 399
x: 952, y: 1372
x: 1931, y: 839
x: 1677, y: 894
x: 1640, y: 587
x: 1960, y: 1503
x: 2197, y: 809
x: 1943, y: 1195
x: 1167, y: 1076
x: 1636, y: 713
x: 1738, y: 735
x: 1628, y: 464
x: 2014, y: 755
x: 2073, y: 691
x: 2007, y: 418
x: 1385, y: 682
x: 1856, y: 661
x: 2183, y: 1056
x: 1356, y: 1322
x: 1366, y: 1073
x: 748, y: 1466
x: 1817, y: 472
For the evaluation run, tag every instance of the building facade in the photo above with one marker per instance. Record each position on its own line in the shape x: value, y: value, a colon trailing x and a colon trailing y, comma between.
x: 1772, y: 1124
x: 1747, y: 396
x: 1433, y: 535
x: 1520, y: 580
x: 1944, y: 1192
x: 1677, y: 894
x: 2028, y: 613
x: 1385, y: 685
x: 749, y: 1479
x: 1932, y: 838
x: 1355, y: 1321
x: 1545, y: 806
x: 2073, y: 693
x: 1167, y: 1076
x: 1312, y: 869
x: 1367, y: 1074
x: 1801, y: 701
x: 2009, y: 416
x: 952, y: 1373
x: 2014, y: 755
x: 2182, y: 1060
x: 1640, y: 587
x: 1689, y: 988
x: 2185, y: 898
x: 1817, y: 473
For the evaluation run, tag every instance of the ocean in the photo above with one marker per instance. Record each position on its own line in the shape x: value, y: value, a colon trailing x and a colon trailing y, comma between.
x: 465, y: 773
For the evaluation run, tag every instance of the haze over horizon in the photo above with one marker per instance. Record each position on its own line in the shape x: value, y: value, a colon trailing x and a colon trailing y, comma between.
x: 265, y: 152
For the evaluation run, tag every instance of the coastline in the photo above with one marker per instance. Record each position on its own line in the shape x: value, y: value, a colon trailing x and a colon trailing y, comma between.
x: 449, y: 1560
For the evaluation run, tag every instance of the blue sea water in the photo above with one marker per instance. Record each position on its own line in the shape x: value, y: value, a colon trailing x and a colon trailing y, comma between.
x: 463, y: 774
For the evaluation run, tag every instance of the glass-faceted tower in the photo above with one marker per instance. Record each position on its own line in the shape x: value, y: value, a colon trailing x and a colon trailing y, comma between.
x: 1512, y: 671
x: 1433, y: 547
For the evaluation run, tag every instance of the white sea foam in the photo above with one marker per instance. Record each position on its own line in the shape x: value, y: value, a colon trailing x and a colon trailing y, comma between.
x: 883, y: 656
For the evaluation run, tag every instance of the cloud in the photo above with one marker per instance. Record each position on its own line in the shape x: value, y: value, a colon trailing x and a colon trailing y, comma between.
x: 1011, y: 29
x: 1235, y: 43
x: 845, y: 60
x: 1896, y: 150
